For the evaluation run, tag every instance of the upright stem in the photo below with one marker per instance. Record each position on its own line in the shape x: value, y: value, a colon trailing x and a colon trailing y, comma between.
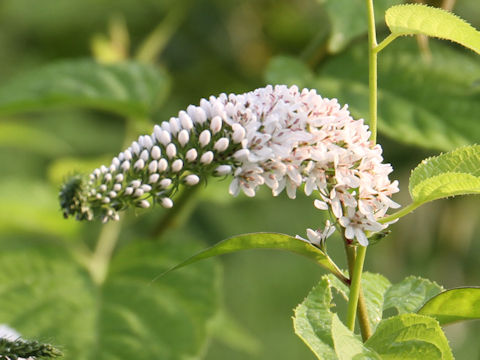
x: 355, y: 287
x: 372, y: 70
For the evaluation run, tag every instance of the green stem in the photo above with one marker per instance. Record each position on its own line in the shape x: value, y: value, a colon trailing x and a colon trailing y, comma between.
x: 355, y: 287
x: 372, y: 70
x: 103, y: 252
x: 384, y: 43
x: 400, y: 213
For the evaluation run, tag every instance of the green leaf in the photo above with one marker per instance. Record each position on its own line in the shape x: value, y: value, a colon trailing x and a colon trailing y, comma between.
x: 454, y: 305
x: 410, y: 337
x: 430, y: 105
x: 410, y: 294
x: 421, y: 19
x: 45, y: 293
x: 14, y: 135
x: 313, y: 320
x: 450, y: 174
x: 347, y: 345
x: 289, y: 71
x: 129, y: 89
x: 349, y: 19
x: 264, y: 241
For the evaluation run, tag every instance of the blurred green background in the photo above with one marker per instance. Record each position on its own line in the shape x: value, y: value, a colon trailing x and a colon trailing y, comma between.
x: 431, y: 103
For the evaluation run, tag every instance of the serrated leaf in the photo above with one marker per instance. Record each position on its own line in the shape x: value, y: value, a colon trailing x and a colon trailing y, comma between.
x: 264, y: 241
x: 454, y: 305
x: 413, y: 19
x: 450, y: 174
x: 45, y: 293
x: 410, y: 337
x: 431, y: 105
x: 410, y: 294
x: 349, y: 19
x: 347, y: 345
x: 313, y: 320
x: 129, y: 89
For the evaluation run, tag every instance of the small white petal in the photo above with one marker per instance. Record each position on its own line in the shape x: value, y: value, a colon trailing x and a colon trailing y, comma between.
x: 167, y: 203
x: 156, y: 152
x: 112, y: 194
x: 139, y: 164
x: 204, y: 138
x: 177, y: 165
x: 144, y: 155
x: 321, y: 205
x: 192, y: 179
x: 183, y: 137
x: 97, y: 172
x: 98, y: 196
x: 144, y: 204
x: 108, y: 177
x: 191, y: 155
x: 157, y: 132
x: 216, y: 124
x: 238, y: 133
x: 103, y: 169
x: 164, y: 138
x: 153, y: 178
x: 223, y: 170
x: 135, y: 148
x: 136, y: 183
x: 138, y: 192
x: 127, y: 154
x: 119, y: 177
x: 171, y: 150
x: 116, y: 162
x: 241, y: 154
x: 165, y: 183
x: 147, y: 142
x: 126, y: 165
x: 185, y: 120
x: 117, y: 187
x: 162, y: 165
x: 174, y: 125
x: 146, y: 187
x: 153, y: 166
x: 103, y: 188
x: 106, y: 200
x: 206, y: 158
x: 221, y: 144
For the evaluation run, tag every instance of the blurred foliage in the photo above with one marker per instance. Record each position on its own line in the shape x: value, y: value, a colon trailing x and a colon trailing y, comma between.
x: 206, y: 47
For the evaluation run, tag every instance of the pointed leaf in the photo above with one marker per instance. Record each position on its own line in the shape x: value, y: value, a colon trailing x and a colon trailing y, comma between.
x: 313, y: 320
x: 265, y: 241
x: 410, y: 337
x: 450, y: 174
x: 45, y: 293
x: 421, y: 19
x: 454, y: 305
x: 347, y: 345
x: 129, y: 89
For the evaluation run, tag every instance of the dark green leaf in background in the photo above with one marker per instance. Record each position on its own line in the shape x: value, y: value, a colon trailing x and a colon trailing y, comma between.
x: 46, y: 294
x: 129, y: 89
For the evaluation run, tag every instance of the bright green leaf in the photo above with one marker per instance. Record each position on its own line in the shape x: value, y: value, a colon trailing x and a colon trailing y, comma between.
x: 264, y: 241
x: 410, y: 337
x: 410, y: 294
x: 450, y: 174
x: 313, y: 320
x: 349, y: 19
x: 45, y: 293
x: 454, y: 305
x: 347, y: 345
x: 129, y: 89
x: 421, y: 19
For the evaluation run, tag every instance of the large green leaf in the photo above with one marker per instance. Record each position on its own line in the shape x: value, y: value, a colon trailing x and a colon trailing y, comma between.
x: 347, y: 345
x: 265, y: 241
x: 46, y: 294
x: 421, y: 19
x: 450, y: 174
x: 432, y: 105
x: 410, y: 294
x: 349, y: 19
x: 454, y: 305
x: 129, y: 89
x: 313, y: 320
x: 410, y: 337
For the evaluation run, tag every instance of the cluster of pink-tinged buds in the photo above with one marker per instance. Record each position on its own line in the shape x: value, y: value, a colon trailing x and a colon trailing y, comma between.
x: 282, y: 137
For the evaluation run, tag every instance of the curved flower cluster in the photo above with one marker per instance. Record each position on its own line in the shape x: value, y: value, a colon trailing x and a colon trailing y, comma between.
x: 278, y: 136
